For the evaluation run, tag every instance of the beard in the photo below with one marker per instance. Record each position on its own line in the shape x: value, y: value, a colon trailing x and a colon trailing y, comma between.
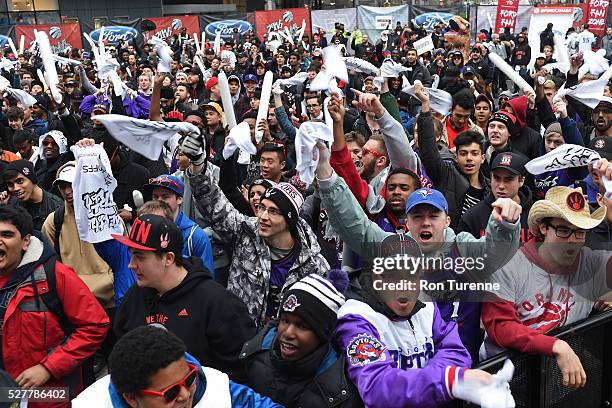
x: 367, y: 170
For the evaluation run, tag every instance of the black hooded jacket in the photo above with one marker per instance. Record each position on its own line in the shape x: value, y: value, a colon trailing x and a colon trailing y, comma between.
x: 475, y: 219
x: 213, y: 323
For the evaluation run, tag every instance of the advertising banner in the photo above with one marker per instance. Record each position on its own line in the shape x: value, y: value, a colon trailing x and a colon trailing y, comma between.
x: 427, y: 17
x: 226, y: 23
x: 326, y: 19
x: 277, y: 20
x: 62, y: 37
x: 507, y: 10
x: 598, y: 13
x: 168, y: 26
x: 373, y: 20
x: 561, y: 17
x: 115, y: 32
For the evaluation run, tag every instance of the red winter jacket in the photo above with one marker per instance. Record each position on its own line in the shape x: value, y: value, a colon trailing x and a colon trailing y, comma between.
x: 32, y: 335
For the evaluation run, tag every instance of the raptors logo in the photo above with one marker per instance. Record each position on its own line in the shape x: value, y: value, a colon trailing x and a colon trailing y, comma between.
x: 365, y: 349
x: 291, y: 303
x: 164, y: 241
x: 575, y: 201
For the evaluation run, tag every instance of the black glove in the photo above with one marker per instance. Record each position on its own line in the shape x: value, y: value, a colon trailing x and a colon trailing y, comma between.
x: 193, y: 147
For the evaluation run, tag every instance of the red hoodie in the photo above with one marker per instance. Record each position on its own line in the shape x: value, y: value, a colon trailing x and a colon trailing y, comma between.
x: 519, y: 109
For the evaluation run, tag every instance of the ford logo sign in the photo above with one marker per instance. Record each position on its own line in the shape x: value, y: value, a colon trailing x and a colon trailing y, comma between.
x: 3, y: 40
x: 115, y: 34
x: 227, y: 27
x: 429, y: 20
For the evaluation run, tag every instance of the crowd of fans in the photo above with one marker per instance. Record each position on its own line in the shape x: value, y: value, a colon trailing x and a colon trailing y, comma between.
x: 237, y: 283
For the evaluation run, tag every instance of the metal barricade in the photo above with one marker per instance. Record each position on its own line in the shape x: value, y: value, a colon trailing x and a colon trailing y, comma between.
x: 538, y: 382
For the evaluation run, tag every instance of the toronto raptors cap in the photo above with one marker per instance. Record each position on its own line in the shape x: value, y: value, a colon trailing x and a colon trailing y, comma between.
x: 153, y: 233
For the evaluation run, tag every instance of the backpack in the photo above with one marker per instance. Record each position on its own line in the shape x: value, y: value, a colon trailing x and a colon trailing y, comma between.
x: 52, y: 300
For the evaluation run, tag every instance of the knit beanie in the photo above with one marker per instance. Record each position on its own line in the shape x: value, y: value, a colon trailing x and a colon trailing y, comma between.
x: 553, y: 127
x: 504, y: 117
x: 289, y: 201
x: 24, y: 167
x: 316, y: 300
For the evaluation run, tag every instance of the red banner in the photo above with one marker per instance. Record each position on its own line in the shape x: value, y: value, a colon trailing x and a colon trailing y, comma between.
x: 506, y: 15
x: 168, y: 26
x: 598, y: 13
x: 277, y: 20
x: 61, y: 36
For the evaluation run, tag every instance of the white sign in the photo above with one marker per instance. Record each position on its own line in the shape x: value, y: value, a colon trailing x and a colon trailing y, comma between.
x: 95, y: 210
x: 383, y: 22
x: 423, y: 45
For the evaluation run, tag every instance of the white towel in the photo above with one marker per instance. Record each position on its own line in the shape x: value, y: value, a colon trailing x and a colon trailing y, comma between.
x: 239, y: 138
x: 306, y: 152
x: 439, y: 100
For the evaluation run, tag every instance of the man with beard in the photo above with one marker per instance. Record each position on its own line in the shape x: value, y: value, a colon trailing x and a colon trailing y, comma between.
x: 55, y: 153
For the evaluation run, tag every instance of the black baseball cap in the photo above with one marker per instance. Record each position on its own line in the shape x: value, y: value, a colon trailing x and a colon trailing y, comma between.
x: 153, y: 233
x: 514, y: 163
x: 603, y: 146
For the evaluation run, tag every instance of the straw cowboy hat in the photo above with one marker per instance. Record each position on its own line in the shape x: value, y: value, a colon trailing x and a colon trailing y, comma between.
x: 565, y: 203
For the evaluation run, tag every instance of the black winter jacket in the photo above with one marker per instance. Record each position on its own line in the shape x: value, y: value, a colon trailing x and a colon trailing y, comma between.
x: 316, y: 380
x: 213, y: 323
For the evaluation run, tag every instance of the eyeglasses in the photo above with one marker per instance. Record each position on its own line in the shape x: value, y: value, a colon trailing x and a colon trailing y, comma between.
x: 273, y: 212
x: 48, y: 143
x: 564, y: 232
x: 365, y: 150
x: 312, y: 106
x: 172, y: 392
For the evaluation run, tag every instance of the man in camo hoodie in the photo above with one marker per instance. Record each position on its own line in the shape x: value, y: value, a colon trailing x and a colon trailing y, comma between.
x: 271, y: 251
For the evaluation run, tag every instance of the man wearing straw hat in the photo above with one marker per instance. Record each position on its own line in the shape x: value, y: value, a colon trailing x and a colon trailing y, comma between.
x: 552, y: 281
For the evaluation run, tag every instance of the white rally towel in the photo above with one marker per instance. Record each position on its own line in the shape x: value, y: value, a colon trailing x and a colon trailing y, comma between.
x: 495, y: 394
x: 306, y: 152
x: 297, y: 79
x: 565, y: 157
x: 94, y: 209
x: 391, y: 69
x: 239, y: 137
x: 163, y: 52
x: 439, y: 100
x: 589, y: 93
x: 334, y: 67
x: 58, y: 137
x: 360, y: 65
x: 144, y: 136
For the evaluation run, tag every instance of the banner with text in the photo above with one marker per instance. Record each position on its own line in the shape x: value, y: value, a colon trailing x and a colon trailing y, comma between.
x: 62, y: 37
x: 168, y: 26
x: 427, y: 17
x: 373, y: 20
x: 598, y: 14
x: 277, y: 20
x: 227, y: 23
x: 326, y: 19
x: 507, y: 10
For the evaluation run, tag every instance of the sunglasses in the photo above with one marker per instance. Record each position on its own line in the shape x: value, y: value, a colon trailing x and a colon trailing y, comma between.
x: 48, y: 143
x: 164, y: 182
x: 276, y: 145
x: 365, y: 150
x: 171, y: 393
x: 197, y: 124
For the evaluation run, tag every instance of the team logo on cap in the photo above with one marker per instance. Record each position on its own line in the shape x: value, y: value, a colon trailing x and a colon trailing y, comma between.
x: 291, y: 303
x: 506, y: 160
x: 575, y: 201
x: 164, y: 240
x: 426, y: 192
x: 600, y: 144
x: 365, y: 349
x: 25, y: 171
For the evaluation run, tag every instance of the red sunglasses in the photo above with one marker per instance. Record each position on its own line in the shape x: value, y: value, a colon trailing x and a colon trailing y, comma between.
x: 172, y: 392
x: 365, y: 150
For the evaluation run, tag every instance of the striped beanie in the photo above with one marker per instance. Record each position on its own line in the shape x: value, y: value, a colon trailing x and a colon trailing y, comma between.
x: 316, y: 301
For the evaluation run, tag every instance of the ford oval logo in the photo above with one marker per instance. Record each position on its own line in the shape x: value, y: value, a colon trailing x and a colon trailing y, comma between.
x: 115, y: 34
x: 429, y: 20
x: 3, y: 40
x: 227, y: 27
